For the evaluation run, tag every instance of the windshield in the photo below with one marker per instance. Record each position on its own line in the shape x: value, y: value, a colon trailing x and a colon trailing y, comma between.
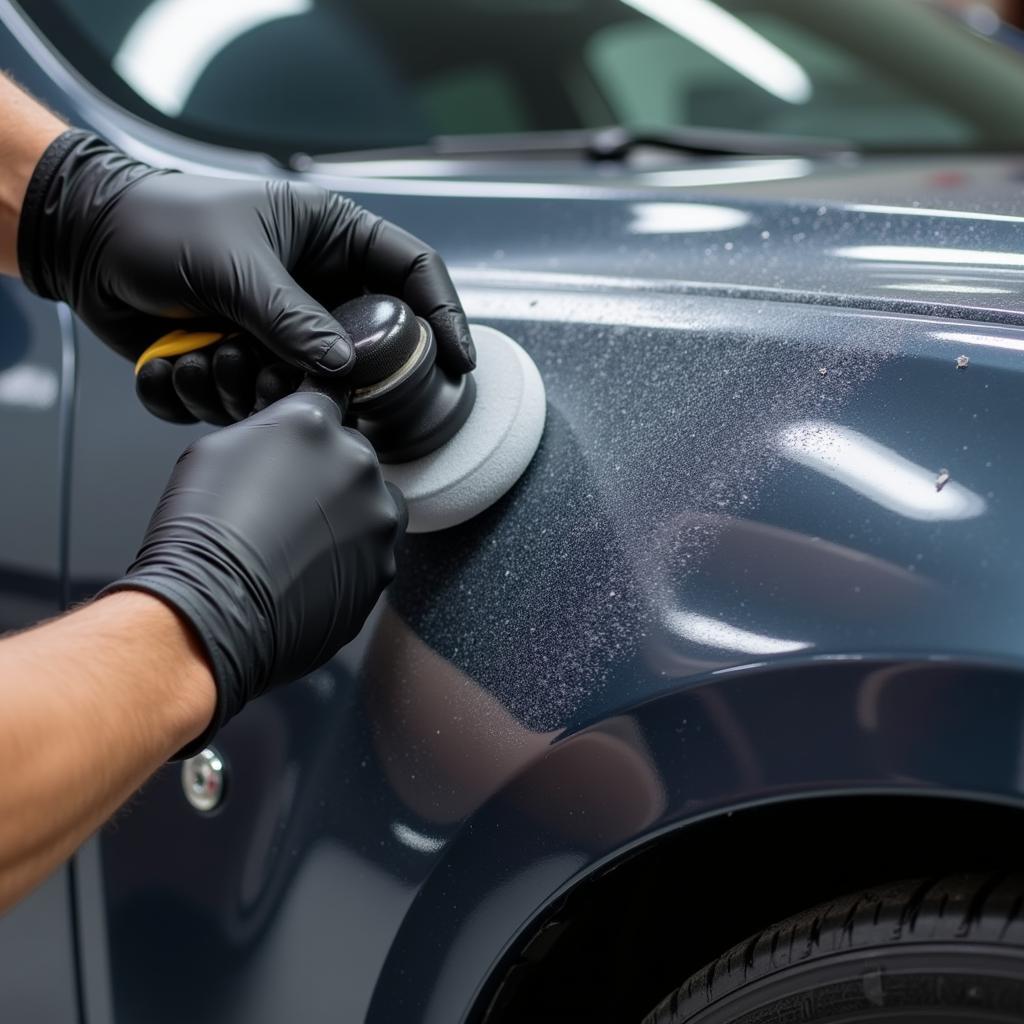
x: 287, y: 76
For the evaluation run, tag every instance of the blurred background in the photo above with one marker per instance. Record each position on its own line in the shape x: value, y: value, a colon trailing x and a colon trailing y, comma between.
x: 1001, y: 19
x: 319, y: 77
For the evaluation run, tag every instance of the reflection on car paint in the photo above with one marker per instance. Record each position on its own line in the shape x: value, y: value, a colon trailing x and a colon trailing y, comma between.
x: 707, y: 632
x: 30, y: 386
x: 991, y: 339
x: 877, y: 472
x: 684, y: 218
x: 929, y: 254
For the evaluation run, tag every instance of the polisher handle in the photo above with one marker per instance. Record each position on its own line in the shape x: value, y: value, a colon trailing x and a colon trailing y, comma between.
x: 177, y: 343
x: 384, y: 331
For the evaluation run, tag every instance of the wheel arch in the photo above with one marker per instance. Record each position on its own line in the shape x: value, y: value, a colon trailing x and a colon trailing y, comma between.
x: 656, y: 915
x: 764, y: 746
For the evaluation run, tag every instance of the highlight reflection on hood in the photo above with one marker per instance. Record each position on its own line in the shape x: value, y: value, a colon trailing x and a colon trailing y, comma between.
x: 877, y: 472
x: 709, y: 632
x: 930, y: 254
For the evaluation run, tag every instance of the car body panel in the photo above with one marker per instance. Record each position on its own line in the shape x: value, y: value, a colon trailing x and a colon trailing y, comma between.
x: 734, y: 573
x: 712, y: 748
x: 667, y: 530
x: 824, y: 232
x: 37, y: 970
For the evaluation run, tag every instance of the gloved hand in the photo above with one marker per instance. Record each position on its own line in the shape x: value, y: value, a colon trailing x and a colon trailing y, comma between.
x: 274, y: 538
x: 137, y: 252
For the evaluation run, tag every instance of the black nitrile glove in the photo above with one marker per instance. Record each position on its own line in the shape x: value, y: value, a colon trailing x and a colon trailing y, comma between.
x: 138, y: 252
x: 274, y: 538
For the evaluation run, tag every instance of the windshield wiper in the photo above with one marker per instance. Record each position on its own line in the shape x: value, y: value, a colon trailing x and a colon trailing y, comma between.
x: 617, y: 142
x: 613, y: 143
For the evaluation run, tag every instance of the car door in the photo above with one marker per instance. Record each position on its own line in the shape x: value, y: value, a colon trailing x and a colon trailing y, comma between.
x: 37, y: 970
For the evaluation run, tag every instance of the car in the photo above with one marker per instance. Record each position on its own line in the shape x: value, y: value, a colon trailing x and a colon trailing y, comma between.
x: 717, y: 714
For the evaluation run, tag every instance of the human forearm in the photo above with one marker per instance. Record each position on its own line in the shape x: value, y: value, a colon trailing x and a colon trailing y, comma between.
x: 270, y: 545
x: 26, y: 129
x: 90, y: 705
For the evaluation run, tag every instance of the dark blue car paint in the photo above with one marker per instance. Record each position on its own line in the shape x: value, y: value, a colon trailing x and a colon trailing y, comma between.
x: 728, y: 578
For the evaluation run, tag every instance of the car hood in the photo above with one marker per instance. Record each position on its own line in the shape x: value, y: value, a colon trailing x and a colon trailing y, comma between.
x: 935, y: 234
x: 760, y: 447
x: 753, y: 399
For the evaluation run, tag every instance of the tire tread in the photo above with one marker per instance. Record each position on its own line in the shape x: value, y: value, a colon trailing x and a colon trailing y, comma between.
x: 952, y: 908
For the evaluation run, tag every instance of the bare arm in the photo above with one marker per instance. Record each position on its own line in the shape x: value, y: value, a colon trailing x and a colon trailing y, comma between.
x: 26, y: 129
x: 273, y: 540
x: 92, y: 704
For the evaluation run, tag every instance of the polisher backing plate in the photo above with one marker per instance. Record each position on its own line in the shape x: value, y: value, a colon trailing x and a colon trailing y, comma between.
x: 492, y: 449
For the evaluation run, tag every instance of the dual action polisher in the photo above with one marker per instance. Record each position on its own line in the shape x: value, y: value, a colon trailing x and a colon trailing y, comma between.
x: 452, y: 445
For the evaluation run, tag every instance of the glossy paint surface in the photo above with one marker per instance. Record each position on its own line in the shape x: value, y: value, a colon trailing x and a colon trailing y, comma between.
x: 736, y: 571
x: 704, y: 498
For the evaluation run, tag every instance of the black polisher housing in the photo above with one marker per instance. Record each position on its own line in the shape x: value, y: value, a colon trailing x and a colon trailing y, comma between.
x: 401, y: 400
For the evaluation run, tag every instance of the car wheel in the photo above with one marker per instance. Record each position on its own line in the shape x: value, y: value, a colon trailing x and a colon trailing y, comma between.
x: 949, y: 950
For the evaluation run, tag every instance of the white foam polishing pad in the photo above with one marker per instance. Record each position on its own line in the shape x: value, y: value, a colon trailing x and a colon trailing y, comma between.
x: 491, y: 450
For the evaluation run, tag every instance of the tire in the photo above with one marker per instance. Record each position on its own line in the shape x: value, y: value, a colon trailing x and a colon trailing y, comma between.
x: 936, y: 951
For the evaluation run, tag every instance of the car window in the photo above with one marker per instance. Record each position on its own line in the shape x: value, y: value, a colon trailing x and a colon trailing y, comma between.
x: 289, y: 76
x: 661, y: 79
